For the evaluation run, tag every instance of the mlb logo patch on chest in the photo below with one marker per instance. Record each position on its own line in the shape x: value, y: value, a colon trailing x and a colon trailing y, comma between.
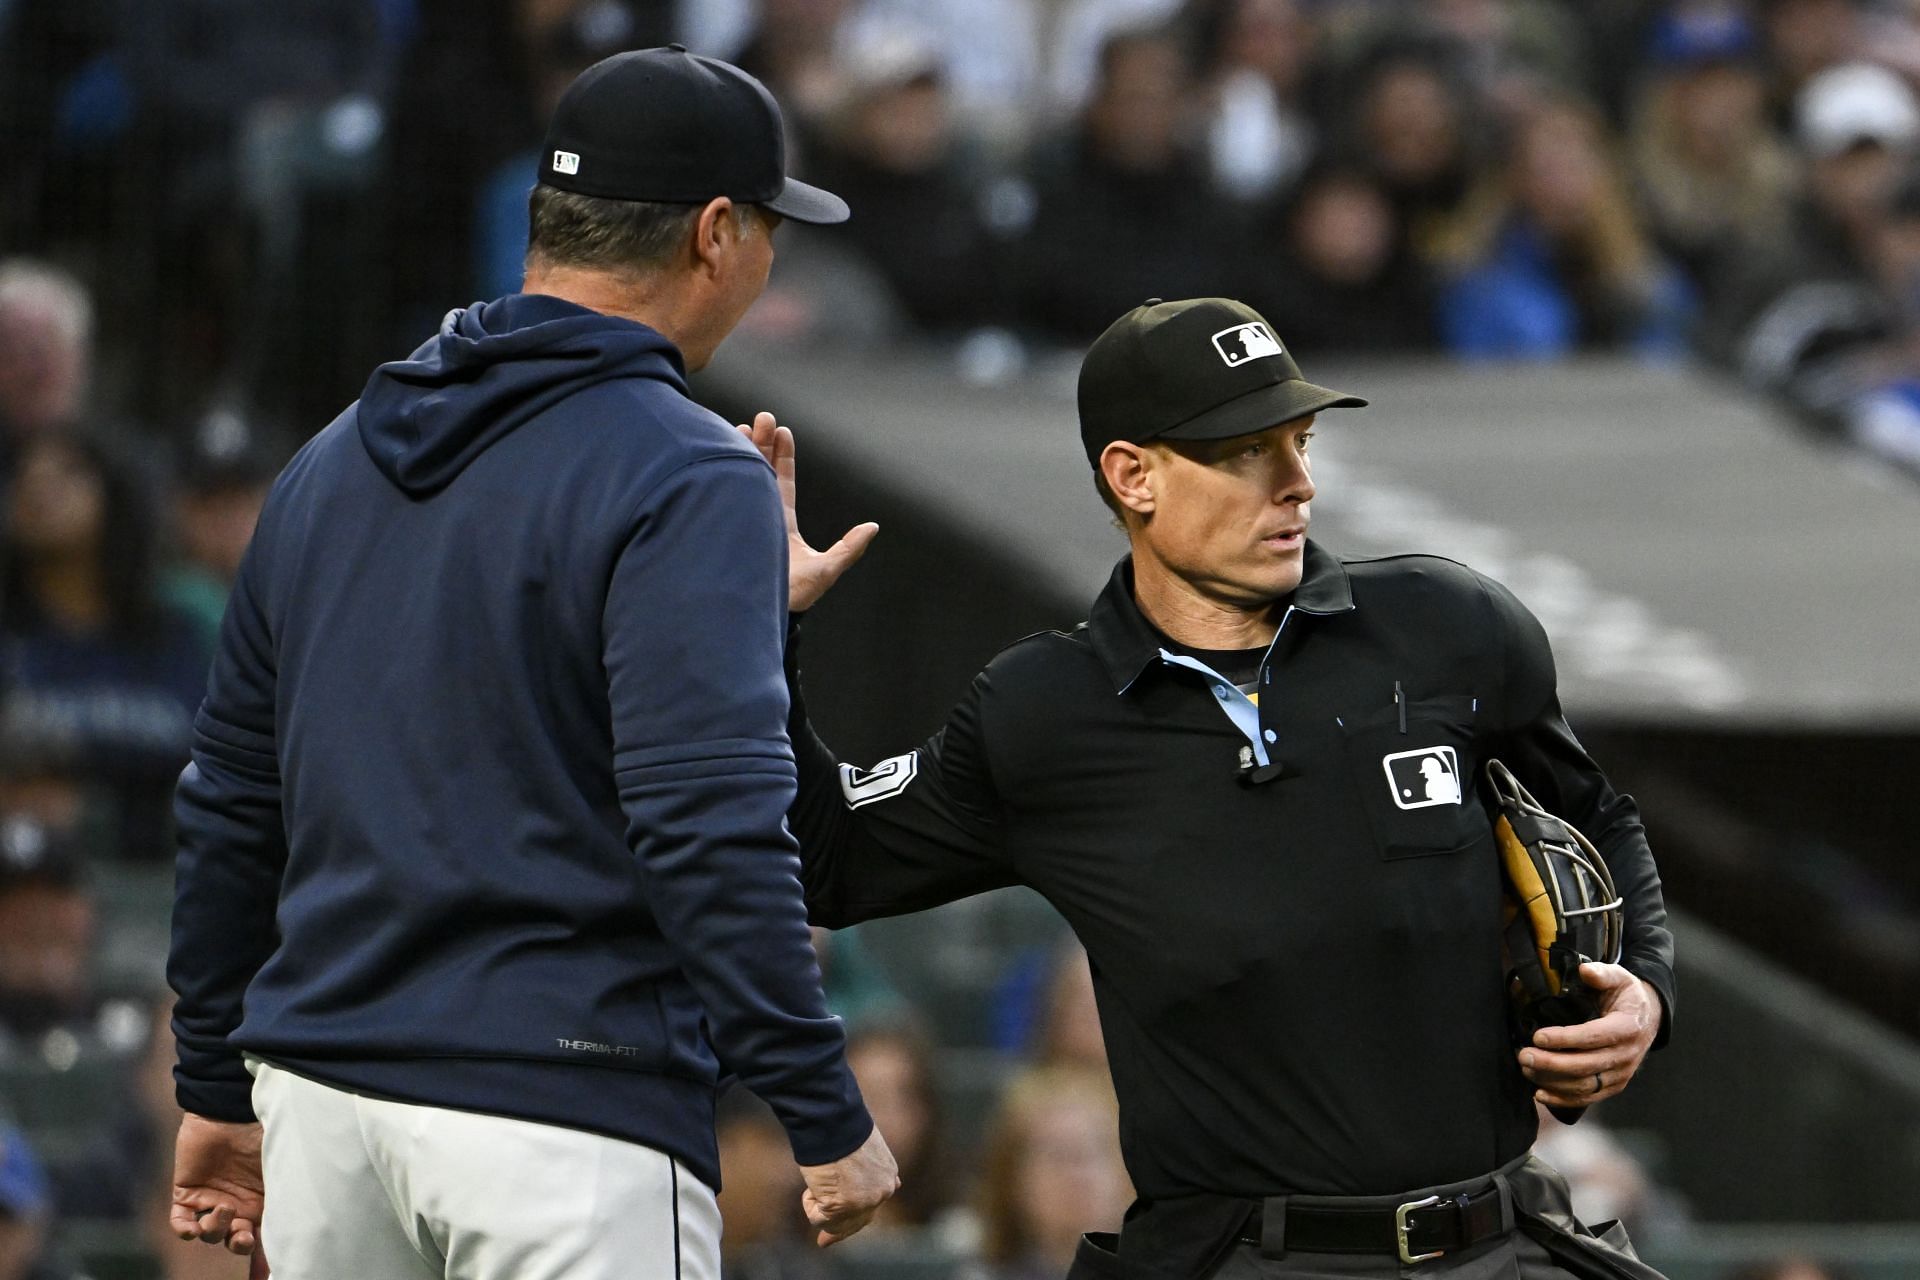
x: 1423, y: 778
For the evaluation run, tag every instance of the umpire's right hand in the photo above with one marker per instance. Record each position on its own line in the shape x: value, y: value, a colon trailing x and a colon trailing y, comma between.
x: 842, y: 1197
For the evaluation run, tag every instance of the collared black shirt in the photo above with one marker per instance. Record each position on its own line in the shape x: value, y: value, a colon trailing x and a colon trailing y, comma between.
x: 1299, y: 980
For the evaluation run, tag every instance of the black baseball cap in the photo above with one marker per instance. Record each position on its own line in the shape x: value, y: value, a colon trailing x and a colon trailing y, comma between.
x: 670, y: 126
x: 1197, y: 369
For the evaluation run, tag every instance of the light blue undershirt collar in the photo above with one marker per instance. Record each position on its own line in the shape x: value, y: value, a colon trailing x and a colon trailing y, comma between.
x: 1239, y: 707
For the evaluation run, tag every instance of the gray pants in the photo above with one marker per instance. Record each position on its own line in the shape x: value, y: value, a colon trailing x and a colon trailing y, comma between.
x: 1544, y: 1242
x: 363, y: 1188
x: 1509, y: 1257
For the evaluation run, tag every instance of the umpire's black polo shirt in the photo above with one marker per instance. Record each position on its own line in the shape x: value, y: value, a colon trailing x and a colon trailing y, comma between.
x: 1299, y: 980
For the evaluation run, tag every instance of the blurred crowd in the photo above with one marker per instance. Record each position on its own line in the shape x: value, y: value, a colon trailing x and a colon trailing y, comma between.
x: 217, y: 215
x: 266, y: 200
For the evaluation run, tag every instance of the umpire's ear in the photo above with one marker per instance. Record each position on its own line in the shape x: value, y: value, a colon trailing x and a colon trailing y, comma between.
x: 1128, y: 470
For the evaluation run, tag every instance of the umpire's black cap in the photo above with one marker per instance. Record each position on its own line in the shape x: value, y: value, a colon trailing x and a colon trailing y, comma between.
x: 670, y: 126
x: 1197, y: 369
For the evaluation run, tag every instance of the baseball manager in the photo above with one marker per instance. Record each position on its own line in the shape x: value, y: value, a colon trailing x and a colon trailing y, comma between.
x: 1248, y: 783
x: 483, y: 867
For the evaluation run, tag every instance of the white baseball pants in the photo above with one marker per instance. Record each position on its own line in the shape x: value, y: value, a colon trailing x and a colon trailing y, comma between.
x: 360, y: 1188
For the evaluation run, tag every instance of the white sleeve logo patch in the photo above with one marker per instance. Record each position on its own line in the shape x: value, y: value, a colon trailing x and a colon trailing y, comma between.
x: 888, y: 778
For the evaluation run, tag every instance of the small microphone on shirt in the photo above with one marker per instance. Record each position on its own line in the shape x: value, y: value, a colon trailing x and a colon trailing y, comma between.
x: 1263, y: 773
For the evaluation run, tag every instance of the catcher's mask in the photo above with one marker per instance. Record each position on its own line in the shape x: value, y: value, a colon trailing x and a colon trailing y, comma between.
x: 1562, y: 909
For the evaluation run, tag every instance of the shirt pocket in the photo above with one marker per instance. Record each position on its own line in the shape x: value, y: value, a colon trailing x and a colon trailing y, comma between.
x: 1414, y: 779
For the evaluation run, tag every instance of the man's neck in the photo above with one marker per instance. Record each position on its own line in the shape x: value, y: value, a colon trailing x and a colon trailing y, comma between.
x: 643, y: 300
x: 1190, y: 617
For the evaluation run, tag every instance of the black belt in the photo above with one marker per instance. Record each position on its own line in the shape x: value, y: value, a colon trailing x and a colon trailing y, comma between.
x: 1413, y: 1231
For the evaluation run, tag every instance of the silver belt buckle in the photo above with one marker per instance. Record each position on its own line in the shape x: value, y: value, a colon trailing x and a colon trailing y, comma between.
x: 1400, y: 1228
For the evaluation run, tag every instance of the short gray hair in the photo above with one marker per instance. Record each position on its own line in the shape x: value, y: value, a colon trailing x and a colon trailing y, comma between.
x: 567, y: 229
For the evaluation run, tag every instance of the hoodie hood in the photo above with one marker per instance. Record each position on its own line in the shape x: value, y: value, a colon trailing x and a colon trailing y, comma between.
x: 492, y: 367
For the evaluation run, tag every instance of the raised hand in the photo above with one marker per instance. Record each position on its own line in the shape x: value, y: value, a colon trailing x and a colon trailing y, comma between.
x: 809, y: 572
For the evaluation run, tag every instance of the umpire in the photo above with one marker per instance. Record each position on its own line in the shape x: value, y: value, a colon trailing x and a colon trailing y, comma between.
x: 483, y: 872
x: 1247, y: 782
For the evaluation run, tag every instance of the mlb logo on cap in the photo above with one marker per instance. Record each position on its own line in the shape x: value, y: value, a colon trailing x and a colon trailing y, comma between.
x: 1245, y: 342
x: 1156, y: 374
x: 1421, y: 779
x: 566, y: 162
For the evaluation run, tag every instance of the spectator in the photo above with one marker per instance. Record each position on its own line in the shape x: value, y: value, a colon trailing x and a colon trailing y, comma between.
x: 114, y: 1171
x: 1547, y: 257
x: 263, y: 127
x: 46, y: 936
x: 894, y: 1065
x: 1712, y: 174
x: 1078, y: 34
x: 1859, y: 123
x: 94, y: 662
x: 1616, y: 37
x: 1804, y: 38
x: 1884, y: 417
x: 41, y: 778
x: 49, y: 1010
x: 1892, y: 32
x: 1124, y: 212
x: 891, y: 150
x: 1799, y: 317
x: 989, y: 53
x: 1606, y: 1183
x: 1514, y: 46
x: 1068, y: 1034
x: 1052, y: 1171
x: 221, y: 488
x: 26, y: 1212
x: 46, y: 353
x: 1340, y: 276
x: 1413, y: 123
x: 764, y: 1234
x: 1261, y: 134
x: 204, y: 64
x: 795, y: 53
x: 1045, y: 1010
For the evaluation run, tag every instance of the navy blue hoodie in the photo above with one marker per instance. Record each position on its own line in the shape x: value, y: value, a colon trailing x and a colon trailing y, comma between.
x: 488, y: 795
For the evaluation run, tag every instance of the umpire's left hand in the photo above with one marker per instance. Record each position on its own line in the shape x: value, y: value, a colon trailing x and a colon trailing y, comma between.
x: 1580, y: 1065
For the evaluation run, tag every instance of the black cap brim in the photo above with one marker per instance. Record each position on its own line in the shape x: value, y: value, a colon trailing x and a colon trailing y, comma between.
x: 1263, y: 407
x: 804, y: 203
